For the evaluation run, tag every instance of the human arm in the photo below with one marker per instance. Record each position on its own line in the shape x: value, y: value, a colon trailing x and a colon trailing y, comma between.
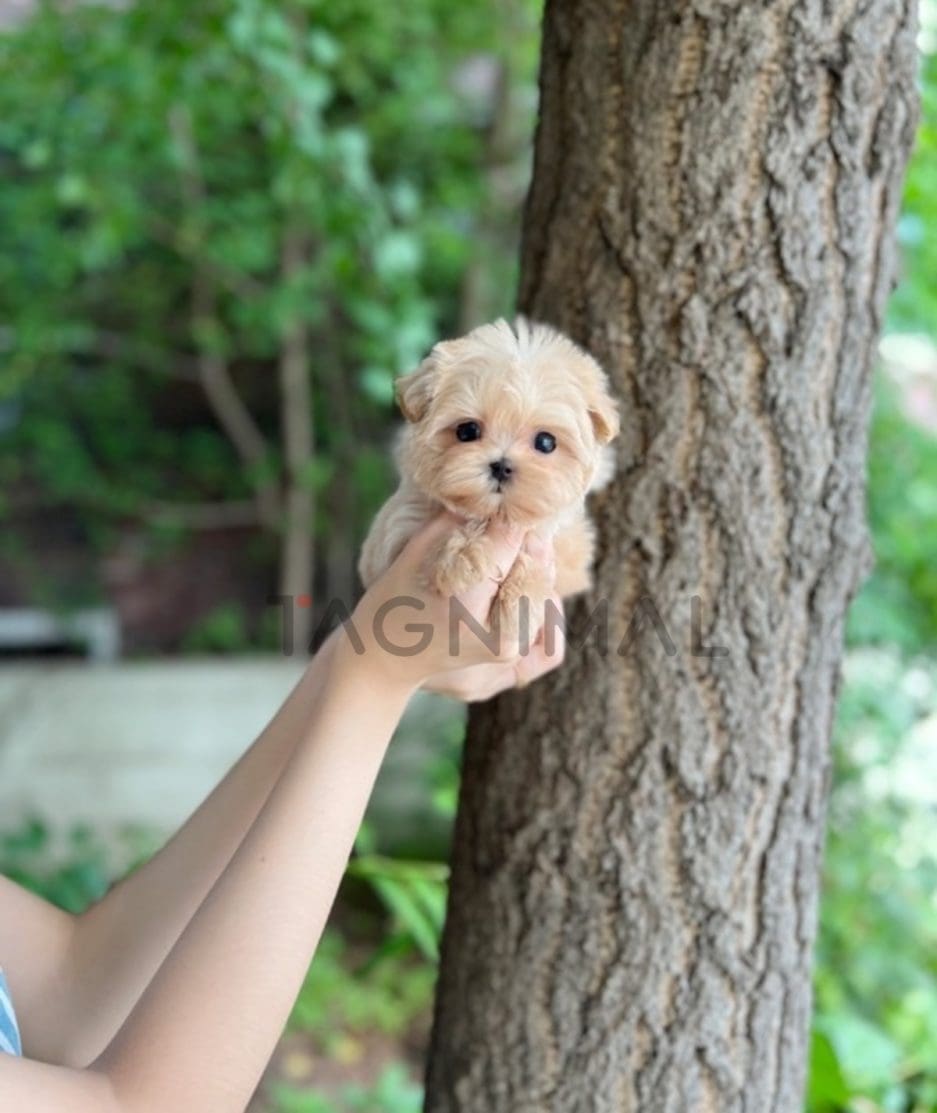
x: 206, y: 1024
x: 208, y: 1020
x: 77, y: 978
x: 149, y: 909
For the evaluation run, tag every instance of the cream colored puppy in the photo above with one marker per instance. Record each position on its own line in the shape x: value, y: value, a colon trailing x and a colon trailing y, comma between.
x: 504, y: 423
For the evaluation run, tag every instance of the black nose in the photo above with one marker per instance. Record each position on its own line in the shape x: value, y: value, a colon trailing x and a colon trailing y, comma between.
x: 501, y: 469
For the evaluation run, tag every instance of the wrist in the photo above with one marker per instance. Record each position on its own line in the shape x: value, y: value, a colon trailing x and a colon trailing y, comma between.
x: 371, y: 670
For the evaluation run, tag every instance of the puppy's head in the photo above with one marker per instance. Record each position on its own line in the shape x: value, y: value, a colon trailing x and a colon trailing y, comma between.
x: 506, y: 423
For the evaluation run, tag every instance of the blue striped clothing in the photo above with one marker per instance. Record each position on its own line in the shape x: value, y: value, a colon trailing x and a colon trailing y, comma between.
x: 9, y: 1029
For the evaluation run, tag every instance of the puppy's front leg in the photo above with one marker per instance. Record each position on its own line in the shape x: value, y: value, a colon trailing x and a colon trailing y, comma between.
x: 463, y: 559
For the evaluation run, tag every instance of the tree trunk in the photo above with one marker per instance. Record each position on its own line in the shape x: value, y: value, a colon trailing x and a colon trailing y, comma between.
x: 297, y: 551
x: 638, y: 844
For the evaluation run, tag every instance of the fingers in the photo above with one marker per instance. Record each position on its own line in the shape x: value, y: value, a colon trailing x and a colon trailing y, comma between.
x: 545, y: 655
x: 537, y: 663
x: 502, y: 551
x: 540, y: 550
x: 510, y: 566
x: 518, y: 669
x: 549, y: 647
x: 542, y: 619
x: 504, y: 543
x: 477, y: 683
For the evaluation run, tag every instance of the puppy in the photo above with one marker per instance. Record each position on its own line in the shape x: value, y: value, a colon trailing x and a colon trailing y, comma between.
x: 502, y: 424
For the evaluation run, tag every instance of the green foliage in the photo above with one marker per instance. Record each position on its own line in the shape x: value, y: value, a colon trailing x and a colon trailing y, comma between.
x: 223, y: 630
x: 827, y: 1090
x: 157, y: 161
x: 913, y: 306
x: 348, y: 994
x: 874, y: 1044
x: 383, y: 993
x: 898, y: 604
x: 394, y: 1093
x: 413, y: 892
x: 73, y: 873
x: 875, y: 1028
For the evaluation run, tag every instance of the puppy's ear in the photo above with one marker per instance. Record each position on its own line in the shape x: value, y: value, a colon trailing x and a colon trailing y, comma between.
x: 415, y: 391
x: 603, y: 409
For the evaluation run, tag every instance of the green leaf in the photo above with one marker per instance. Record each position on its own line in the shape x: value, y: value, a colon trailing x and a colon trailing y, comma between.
x: 826, y: 1086
x: 868, y: 1056
x: 410, y: 913
x: 324, y: 48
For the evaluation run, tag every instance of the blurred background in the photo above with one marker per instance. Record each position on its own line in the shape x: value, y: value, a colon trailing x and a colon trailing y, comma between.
x: 225, y: 228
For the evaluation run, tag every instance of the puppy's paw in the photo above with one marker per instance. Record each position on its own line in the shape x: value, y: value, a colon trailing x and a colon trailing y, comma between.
x: 461, y: 561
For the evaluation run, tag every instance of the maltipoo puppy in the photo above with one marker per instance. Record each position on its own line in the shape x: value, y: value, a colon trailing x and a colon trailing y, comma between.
x: 509, y: 424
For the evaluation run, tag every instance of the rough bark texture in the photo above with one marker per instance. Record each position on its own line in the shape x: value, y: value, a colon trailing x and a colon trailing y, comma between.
x: 638, y: 842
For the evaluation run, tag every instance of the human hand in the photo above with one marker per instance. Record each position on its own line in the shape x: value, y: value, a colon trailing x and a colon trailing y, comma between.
x: 477, y: 683
x: 410, y: 634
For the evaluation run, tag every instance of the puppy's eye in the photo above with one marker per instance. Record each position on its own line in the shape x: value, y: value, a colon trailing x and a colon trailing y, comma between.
x: 468, y: 431
x: 544, y: 442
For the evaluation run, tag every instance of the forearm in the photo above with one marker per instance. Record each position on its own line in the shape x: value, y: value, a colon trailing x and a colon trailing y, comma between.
x: 204, y: 1027
x: 207, y: 1024
x: 120, y: 942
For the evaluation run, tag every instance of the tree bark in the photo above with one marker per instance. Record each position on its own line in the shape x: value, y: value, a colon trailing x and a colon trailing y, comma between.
x: 638, y: 844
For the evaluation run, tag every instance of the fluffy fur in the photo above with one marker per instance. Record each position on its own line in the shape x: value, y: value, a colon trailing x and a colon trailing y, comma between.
x: 512, y: 383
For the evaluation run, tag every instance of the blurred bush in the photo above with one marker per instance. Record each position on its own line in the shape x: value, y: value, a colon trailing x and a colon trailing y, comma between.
x: 875, y: 1027
x: 207, y: 211
x: 913, y: 306
x: 395, y: 1092
x: 898, y: 603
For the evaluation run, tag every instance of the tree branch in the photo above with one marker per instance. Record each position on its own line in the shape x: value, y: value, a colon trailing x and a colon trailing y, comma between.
x: 226, y: 403
x: 202, y: 515
x: 296, y: 425
x: 227, y: 513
